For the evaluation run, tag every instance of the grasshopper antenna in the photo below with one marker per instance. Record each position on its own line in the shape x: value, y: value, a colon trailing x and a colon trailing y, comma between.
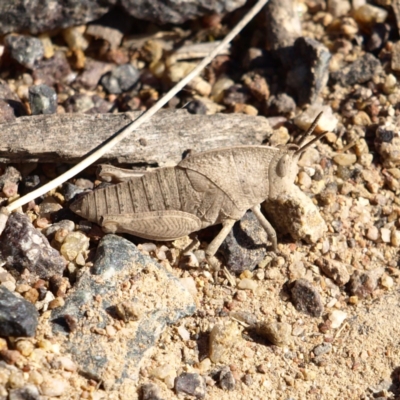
x: 310, y: 143
x: 5, y: 211
x: 310, y: 130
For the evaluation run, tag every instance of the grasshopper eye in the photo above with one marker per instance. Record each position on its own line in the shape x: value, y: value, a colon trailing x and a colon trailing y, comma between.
x: 283, y: 166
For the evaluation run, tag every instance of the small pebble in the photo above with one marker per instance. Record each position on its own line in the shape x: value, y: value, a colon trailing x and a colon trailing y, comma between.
x: 306, y: 298
x: 150, y: 391
x: 363, y: 283
x: 42, y: 99
x: 387, y: 281
x: 337, y: 317
x: 25, y: 347
x: 121, y: 79
x: 26, y: 50
x: 345, y: 159
x: 54, y: 387
x: 335, y: 270
x: 246, y: 283
x: 369, y: 15
x: 322, y: 349
x: 27, y: 392
x: 385, y: 235
x: 395, y: 238
x: 221, y: 339
x: 57, y: 302
x: 278, y: 333
x: 327, y: 122
x: 74, y: 243
x: 183, y: 333
x: 225, y: 379
x: 191, y: 384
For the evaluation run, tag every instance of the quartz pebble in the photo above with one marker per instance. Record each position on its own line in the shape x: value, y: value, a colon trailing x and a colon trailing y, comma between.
x: 74, y: 244
x: 327, y: 122
x: 54, y: 387
x: 387, y: 281
x: 249, y: 284
x: 337, y: 317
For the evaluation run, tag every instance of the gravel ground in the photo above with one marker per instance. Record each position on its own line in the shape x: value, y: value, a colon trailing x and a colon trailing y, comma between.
x: 89, y: 315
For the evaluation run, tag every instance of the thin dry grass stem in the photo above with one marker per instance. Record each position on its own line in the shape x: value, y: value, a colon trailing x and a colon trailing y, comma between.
x: 5, y: 211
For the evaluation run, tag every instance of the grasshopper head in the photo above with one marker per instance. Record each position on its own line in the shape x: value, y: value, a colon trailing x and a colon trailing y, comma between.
x: 284, y: 168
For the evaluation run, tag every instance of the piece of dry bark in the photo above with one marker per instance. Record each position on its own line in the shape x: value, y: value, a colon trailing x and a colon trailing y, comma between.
x: 164, y: 139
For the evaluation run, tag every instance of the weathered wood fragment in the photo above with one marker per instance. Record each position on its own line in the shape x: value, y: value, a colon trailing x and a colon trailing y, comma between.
x: 162, y: 140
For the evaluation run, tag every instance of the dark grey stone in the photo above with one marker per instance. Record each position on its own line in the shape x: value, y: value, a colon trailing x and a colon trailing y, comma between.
x: 306, y: 298
x: 121, y: 79
x: 69, y: 190
x: 22, y: 246
x: 42, y: 99
x: 29, y: 183
x: 150, y: 391
x: 310, y: 72
x: 191, y: 384
x: 158, y: 294
x: 280, y: 104
x: 38, y: 16
x: 359, y: 71
x: 225, y: 379
x: 176, y: 11
x: 26, y: 50
x: 18, y: 317
x: 28, y: 392
x: 196, y: 107
x: 246, y: 244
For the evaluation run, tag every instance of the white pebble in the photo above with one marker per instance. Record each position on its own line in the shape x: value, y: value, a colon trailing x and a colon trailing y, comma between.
x: 65, y: 363
x: 387, y: 281
x: 183, y: 333
x: 247, y: 284
x: 385, y: 235
x: 190, y: 285
x: 54, y: 387
x: 337, y: 317
x: 327, y: 121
